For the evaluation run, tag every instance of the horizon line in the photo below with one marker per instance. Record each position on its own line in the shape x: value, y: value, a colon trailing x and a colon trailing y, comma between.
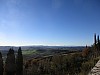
x: 44, y: 45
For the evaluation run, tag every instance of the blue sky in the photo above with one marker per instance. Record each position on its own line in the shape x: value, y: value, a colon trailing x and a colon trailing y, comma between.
x: 49, y: 22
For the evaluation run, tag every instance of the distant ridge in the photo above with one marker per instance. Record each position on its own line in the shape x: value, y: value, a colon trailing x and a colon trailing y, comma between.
x: 40, y: 47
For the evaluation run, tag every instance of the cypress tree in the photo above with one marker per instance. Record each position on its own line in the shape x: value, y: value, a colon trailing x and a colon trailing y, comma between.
x: 98, y: 38
x: 95, y: 46
x: 95, y: 39
x: 86, y: 46
x: 10, y: 66
x: 98, y: 45
x: 19, y: 62
x: 1, y: 65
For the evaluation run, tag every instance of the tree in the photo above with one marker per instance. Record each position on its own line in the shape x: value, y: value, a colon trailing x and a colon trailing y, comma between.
x: 98, y: 44
x: 1, y: 64
x: 85, y: 52
x: 95, y: 46
x: 95, y: 39
x: 10, y: 66
x: 19, y: 62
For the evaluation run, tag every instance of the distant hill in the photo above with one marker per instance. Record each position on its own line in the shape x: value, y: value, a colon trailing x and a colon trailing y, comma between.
x: 8, y: 47
x: 43, y: 47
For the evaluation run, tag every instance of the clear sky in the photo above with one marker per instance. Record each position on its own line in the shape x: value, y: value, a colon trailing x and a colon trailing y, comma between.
x: 49, y: 22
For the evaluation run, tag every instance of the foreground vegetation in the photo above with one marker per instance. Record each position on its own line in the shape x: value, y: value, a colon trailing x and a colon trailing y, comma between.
x: 71, y: 64
x: 60, y: 63
x: 79, y: 63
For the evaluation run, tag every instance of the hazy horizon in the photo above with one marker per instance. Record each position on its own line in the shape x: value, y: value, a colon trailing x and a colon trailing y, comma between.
x: 39, y: 45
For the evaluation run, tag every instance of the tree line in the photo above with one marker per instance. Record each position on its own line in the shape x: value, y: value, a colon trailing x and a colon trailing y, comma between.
x: 13, y: 64
x: 79, y: 63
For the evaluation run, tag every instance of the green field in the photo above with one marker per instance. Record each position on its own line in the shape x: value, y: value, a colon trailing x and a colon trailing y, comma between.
x: 28, y: 52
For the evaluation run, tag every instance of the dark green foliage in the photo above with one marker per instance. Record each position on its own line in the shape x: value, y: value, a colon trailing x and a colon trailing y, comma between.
x: 95, y: 39
x: 1, y: 64
x: 98, y: 45
x: 19, y: 62
x: 10, y: 66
